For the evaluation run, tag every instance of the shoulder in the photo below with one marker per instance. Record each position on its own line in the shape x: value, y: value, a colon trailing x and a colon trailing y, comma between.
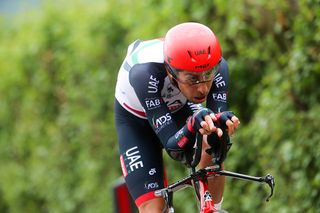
x: 223, y: 69
x: 148, y: 69
x: 143, y: 73
x: 141, y: 52
x: 223, y: 66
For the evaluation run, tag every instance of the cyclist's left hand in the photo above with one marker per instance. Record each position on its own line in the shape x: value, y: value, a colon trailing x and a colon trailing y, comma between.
x: 208, y: 126
x: 230, y: 120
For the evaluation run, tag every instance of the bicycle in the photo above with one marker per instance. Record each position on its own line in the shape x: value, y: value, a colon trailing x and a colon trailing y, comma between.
x: 198, y: 179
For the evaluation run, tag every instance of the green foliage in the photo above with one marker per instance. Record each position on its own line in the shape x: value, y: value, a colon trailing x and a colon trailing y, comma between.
x: 57, y: 131
x: 58, y: 68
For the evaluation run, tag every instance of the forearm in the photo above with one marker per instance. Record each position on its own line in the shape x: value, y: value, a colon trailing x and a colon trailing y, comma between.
x: 216, y: 188
x: 179, y: 142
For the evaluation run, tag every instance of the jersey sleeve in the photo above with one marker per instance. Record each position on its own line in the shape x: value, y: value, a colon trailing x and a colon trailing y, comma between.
x: 218, y: 95
x: 147, y: 81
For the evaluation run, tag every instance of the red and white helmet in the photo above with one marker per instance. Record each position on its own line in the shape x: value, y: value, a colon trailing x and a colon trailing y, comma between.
x: 191, y: 47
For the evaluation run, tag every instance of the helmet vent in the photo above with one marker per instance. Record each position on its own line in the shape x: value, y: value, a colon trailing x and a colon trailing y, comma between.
x: 209, y: 50
x: 192, y: 58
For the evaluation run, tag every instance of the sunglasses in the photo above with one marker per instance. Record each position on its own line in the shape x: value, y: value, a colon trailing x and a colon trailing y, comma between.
x: 191, y: 78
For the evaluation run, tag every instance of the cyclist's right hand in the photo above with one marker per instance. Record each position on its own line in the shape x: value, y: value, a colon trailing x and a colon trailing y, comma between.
x: 180, y: 145
x: 203, y: 121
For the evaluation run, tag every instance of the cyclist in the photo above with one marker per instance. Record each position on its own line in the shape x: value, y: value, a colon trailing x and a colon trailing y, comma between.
x: 160, y: 89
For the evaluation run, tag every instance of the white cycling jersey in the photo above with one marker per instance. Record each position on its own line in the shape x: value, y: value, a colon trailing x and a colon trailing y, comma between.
x: 141, y: 52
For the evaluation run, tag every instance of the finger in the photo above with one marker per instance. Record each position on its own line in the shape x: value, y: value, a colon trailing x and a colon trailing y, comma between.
x: 201, y: 130
x: 204, y: 125
x: 235, y: 121
x: 204, y: 132
x: 230, y: 126
x: 219, y: 132
x: 210, y: 123
x: 213, y: 117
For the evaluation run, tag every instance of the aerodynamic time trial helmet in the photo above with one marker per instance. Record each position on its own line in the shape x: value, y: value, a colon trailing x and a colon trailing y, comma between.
x: 191, y: 47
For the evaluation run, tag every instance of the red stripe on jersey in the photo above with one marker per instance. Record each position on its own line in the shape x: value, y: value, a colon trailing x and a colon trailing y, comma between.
x: 141, y: 113
x: 145, y: 197
x: 189, y: 126
x: 123, y: 167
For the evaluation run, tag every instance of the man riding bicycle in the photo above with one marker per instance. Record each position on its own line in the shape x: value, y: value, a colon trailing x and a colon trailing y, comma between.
x: 161, y: 86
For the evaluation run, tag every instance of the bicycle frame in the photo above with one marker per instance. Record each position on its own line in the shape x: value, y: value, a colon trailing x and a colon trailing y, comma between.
x: 199, y: 181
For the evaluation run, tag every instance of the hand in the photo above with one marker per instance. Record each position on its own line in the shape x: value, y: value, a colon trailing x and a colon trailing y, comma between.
x: 203, y: 122
x: 208, y: 125
x: 228, y: 119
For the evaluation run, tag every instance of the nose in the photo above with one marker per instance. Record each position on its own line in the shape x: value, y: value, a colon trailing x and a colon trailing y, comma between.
x: 202, y: 88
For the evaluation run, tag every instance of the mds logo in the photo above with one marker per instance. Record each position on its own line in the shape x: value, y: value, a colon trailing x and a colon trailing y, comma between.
x: 162, y: 121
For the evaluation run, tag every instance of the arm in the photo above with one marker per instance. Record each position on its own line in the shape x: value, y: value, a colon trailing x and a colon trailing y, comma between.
x: 217, y: 102
x: 147, y: 81
x: 218, y: 95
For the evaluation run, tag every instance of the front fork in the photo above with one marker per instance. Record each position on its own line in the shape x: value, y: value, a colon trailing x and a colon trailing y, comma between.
x: 206, y: 201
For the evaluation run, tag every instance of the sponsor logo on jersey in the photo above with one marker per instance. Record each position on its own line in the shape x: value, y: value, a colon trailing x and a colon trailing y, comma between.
x: 219, y: 81
x: 152, y: 171
x: 152, y: 103
x: 178, y: 134
x: 131, y: 160
x: 183, y: 141
x: 162, y: 121
x: 152, y: 185
x: 153, y: 85
x: 220, y: 96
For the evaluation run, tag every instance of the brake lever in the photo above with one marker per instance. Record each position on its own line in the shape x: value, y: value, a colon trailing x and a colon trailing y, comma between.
x: 269, y: 179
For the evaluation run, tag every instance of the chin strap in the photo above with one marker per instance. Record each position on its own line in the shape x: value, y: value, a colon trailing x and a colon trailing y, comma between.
x: 172, y: 77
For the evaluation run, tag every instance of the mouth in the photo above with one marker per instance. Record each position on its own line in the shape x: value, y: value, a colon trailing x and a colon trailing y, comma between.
x: 200, y: 99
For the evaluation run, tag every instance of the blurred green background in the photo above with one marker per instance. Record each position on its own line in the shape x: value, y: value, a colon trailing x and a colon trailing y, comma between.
x: 58, y: 68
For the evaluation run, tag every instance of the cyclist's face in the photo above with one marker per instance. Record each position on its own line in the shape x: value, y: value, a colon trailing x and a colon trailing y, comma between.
x: 195, y: 86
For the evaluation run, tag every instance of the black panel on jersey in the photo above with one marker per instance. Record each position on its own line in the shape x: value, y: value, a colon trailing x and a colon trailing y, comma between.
x: 148, y: 80
x: 218, y: 95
